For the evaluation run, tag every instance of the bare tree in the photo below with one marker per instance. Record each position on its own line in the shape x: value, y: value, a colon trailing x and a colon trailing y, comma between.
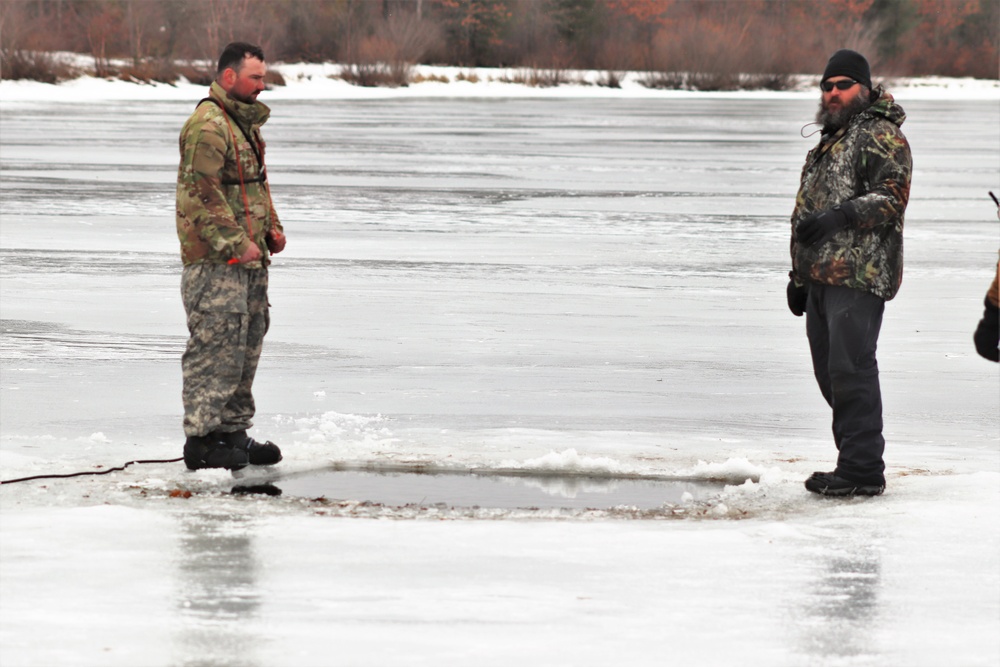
x: 225, y: 21
x: 104, y: 29
x: 388, y: 55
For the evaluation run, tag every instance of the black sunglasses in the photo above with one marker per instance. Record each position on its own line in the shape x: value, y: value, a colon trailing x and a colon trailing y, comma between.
x: 843, y: 84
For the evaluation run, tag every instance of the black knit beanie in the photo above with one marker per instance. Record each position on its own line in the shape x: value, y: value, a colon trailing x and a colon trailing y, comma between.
x: 849, y: 63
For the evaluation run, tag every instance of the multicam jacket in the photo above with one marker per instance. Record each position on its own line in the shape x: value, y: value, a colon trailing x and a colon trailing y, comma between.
x: 213, y: 223
x: 865, y: 168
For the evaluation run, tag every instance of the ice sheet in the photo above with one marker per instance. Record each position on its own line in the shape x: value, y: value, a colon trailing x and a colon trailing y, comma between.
x: 572, y: 284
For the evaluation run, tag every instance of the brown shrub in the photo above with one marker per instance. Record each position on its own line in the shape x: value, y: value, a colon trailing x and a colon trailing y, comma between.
x: 273, y: 78
x: 376, y: 63
x: 611, y: 79
x: 33, y: 66
x: 153, y: 69
x: 438, y: 78
x: 536, y: 77
x: 196, y: 75
x: 371, y: 75
x: 714, y: 81
x: 662, y: 80
x: 766, y: 81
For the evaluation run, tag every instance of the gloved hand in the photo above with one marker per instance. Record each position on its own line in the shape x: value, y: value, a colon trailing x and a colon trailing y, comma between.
x: 797, y: 297
x: 275, y: 241
x: 987, y: 333
x: 818, y: 227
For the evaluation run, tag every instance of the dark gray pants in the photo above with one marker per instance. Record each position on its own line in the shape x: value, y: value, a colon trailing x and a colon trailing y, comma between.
x: 843, y: 326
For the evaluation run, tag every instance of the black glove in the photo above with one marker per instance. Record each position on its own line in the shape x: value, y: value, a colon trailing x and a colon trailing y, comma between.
x: 987, y: 333
x: 818, y: 227
x: 797, y: 297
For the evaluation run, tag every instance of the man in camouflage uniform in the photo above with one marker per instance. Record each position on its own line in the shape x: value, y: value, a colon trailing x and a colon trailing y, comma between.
x: 847, y: 261
x: 228, y: 229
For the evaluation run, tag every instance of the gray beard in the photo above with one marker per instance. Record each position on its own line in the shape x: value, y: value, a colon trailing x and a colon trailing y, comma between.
x: 834, y: 120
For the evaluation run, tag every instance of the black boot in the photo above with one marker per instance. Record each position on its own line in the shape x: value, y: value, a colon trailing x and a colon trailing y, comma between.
x: 211, y: 451
x: 831, y: 484
x: 259, y: 454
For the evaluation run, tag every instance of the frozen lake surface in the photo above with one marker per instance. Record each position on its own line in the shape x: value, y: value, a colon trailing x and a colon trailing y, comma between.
x: 561, y: 287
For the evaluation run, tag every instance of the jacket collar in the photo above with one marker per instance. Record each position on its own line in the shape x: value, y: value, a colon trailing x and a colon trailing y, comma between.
x: 248, y: 115
x: 883, y: 106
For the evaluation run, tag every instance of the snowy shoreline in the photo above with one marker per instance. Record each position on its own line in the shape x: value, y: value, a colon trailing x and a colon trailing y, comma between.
x: 306, y: 81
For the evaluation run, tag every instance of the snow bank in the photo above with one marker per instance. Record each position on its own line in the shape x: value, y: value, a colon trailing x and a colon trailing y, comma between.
x: 570, y: 461
x: 313, y: 81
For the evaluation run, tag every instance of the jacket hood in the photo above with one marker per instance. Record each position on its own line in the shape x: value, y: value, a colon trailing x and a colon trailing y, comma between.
x: 884, y: 107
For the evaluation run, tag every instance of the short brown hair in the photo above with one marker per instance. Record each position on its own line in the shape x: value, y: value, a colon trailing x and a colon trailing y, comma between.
x: 235, y: 53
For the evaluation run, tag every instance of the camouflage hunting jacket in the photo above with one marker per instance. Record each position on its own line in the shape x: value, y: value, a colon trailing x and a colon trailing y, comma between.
x: 993, y: 294
x: 213, y: 222
x: 865, y: 168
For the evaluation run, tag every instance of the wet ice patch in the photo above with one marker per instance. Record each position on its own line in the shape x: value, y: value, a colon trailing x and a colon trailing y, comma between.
x: 30, y: 340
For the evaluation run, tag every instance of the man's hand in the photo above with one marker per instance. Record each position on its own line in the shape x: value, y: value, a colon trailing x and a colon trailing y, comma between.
x: 797, y: 298
x: 275, y: 241
x: 251, y: 255
x: 988, y: 333
x: 819, y: 227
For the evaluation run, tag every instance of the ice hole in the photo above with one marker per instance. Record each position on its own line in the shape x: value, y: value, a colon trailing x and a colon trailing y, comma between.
x: 489, y: 489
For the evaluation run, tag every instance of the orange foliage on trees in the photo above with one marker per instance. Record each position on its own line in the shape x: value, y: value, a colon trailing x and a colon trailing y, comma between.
x: 899, y: 37
x: 644, y: 11
x: 955, y: 38
x: 851, y: 9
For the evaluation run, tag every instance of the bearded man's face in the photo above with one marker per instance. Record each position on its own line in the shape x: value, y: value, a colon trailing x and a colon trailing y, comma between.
x: 837, y: 106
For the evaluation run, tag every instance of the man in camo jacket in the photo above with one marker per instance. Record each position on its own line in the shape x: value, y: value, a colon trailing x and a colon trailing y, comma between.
x: 228, y: 229
x: 847, y: 261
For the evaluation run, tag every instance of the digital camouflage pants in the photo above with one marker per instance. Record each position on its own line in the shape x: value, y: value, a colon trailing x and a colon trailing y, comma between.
x: 227, y: 317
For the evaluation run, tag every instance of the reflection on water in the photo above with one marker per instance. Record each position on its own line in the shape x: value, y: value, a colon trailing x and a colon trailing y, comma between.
x: 504, y: 491
x: 843, y: 607
x: 849, y: 589
x: 217, y: 592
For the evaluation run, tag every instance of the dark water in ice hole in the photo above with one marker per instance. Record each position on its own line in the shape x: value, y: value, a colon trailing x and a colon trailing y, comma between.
x: 501, y: 491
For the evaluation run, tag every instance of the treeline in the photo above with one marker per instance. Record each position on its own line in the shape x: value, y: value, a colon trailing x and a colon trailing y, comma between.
x: 678, y: 43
